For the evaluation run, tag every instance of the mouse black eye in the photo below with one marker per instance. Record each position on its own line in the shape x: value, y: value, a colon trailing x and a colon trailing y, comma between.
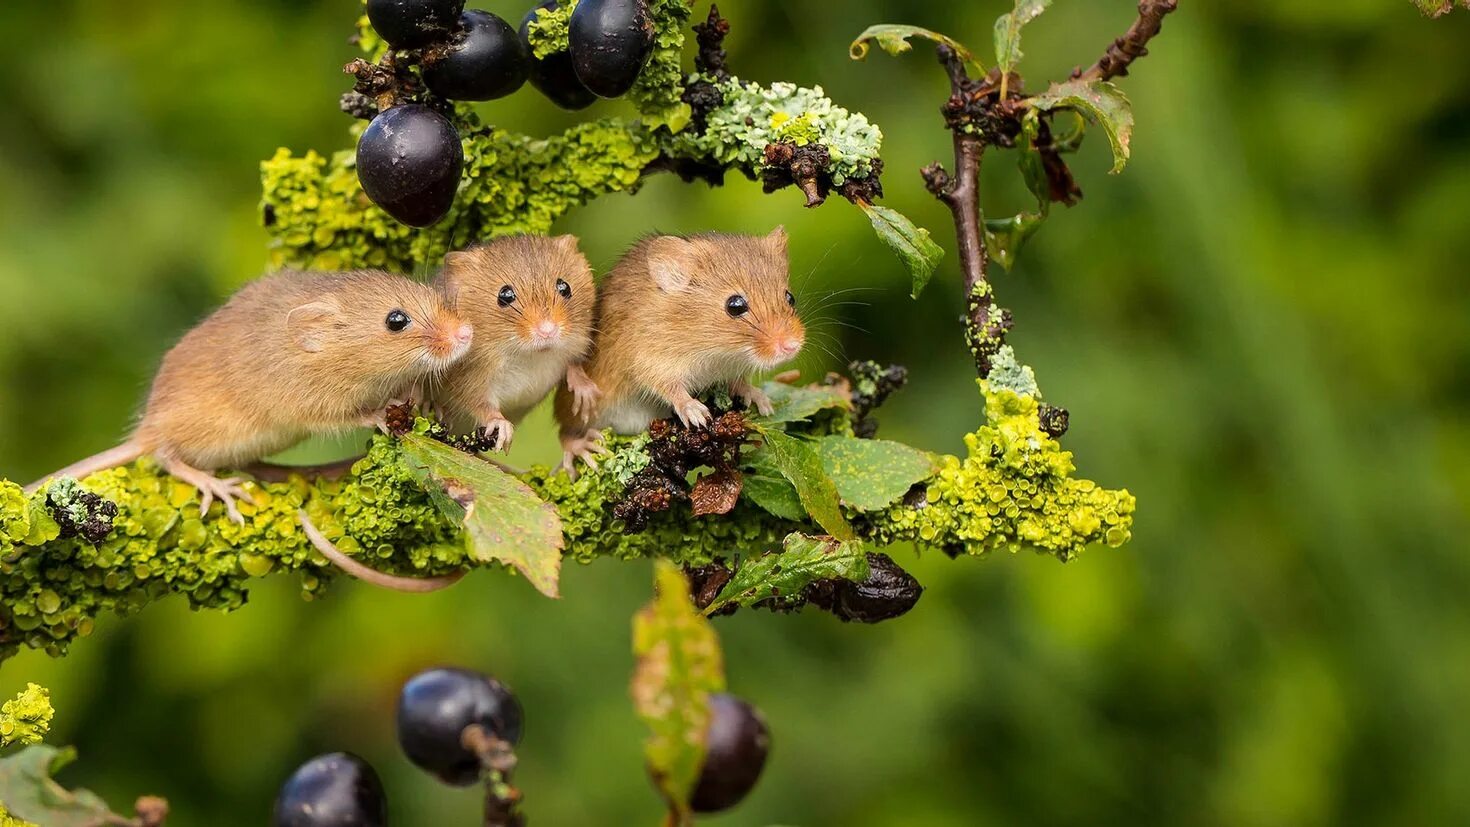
x: 563, y: 289
x: 507, y: 296
x: 737, y: 306
x: 397, y: 320
x: 790, y: 299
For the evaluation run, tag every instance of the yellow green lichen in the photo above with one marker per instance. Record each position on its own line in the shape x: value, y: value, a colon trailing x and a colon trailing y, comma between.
x: 7, y: 820
x: 26, y: 718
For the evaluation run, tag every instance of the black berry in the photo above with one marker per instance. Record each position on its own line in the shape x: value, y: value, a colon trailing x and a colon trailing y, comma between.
x: 336, y: 790
x: 554, y: 75
x: 409, y: 161
x: 437, y: 706
x: 737, y: 743
x: 413, y: 24
x: 485, y: 60
x: 611, y: 42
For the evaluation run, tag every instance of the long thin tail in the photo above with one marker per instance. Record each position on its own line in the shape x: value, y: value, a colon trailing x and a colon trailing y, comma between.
x: 412, y: 585
x: 111, y: 458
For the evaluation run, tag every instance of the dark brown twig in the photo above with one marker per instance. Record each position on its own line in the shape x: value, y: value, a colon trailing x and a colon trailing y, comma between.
x: 498, y: 761
x: 1133, y: 44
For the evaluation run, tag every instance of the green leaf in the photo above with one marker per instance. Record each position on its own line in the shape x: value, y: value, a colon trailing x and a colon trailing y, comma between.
x: 26, y: 718
x: 912, y: 243
x: 805, y: 561
x: 1008, y: 32
x: 31, y: 794
x: 893, y: 38
x: 798, y: 461
x: 794, y: 404
x: 872, y: 474
x: 773, y: 493
x: 679, y: 665
x: 1101, y: 101
x: 503, y: 519
x: 1004, y: 237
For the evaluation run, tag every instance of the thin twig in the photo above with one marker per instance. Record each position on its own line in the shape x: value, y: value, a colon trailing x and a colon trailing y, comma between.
x: 1133, y: 44
x: 497, y: 761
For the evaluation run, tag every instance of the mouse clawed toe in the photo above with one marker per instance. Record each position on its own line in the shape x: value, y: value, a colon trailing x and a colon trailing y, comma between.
x: 694, y: 414
x: 212, y: 488
x: 502, y: 431
x: 585, y: 448
x: 753, y: 397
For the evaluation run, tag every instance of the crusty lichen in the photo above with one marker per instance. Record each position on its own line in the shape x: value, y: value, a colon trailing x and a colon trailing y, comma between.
x: 7, y: 820
x: 1014, y: 490
x: 26, y: 718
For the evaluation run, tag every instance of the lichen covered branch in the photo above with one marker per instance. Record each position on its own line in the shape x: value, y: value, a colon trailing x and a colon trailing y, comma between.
x: 1013, y: 490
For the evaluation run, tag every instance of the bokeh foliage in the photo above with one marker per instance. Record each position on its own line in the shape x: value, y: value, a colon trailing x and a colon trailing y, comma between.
x: 1259, y: 328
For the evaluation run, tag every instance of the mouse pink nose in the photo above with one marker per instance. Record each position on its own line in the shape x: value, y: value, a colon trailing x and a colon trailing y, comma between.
x: 790, y: 347
x: 464, y: 335
x: 548, y: 329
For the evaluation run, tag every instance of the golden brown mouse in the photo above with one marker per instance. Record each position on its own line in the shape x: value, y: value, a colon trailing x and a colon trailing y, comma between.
x: 677, y: 316
x: 288, y: 356
x: 530, y: 299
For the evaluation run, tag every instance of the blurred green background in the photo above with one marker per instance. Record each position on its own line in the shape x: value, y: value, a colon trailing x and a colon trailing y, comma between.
x: 1260, y: 329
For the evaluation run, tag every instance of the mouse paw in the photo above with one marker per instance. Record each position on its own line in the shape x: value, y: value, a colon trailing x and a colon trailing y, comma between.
x: 693, y: 413
x: 585, y: 393
x: 502, y: 431
x: 753, y: 397
x: 585, y: 448
x: 212, y: 487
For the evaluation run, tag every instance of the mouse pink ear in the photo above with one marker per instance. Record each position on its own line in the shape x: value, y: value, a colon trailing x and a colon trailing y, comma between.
x: 567, y: 243
x: 670, y: 262
x: 777, y: 240
x: 310, y: 323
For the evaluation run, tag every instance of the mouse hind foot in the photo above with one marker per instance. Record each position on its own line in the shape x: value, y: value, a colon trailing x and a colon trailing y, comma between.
x: 227, y: 491
x: 585, y: 448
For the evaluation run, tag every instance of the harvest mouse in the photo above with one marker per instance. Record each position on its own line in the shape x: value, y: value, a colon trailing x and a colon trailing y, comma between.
x: 530, y: 299
x: 288, y: 356
x: 677, y: 316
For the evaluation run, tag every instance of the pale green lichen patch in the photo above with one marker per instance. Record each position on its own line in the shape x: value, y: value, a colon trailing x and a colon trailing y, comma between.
x: 26, y: 718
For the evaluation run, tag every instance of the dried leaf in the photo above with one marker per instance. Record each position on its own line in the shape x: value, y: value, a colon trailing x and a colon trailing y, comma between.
x: 912, y: 243
x: 1008, y: 32
x: 778, y: 574
x: 1100, y: 101
x: 798, y: 461
x: 679, y: 666
x: 716, y: 493
x: 31, y: 794
x: 872, y: 474
x: 503, y: 519
x: 793, y: 404
x: 893, y: 38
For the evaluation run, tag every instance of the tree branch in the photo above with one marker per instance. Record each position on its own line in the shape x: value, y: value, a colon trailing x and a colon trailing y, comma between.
x: 1133, y: 44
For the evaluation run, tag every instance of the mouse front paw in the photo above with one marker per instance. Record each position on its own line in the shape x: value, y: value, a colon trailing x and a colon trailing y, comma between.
x: 753, y: 397
x: 693, y: 413
x: 501, y: 430
x: 585, y: 393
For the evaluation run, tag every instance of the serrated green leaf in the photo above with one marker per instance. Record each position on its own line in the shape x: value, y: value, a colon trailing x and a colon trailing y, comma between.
x: 872, y: 474
x: 911, y: 242
x: 1102, y: 102
x: 799, y: 463
x: 893, y: 38
x: 1004, y: 237
x: 679, y: 666
x: 504, y: 521
x: 1008, y: 32
x: 31, y: 794
x: 791, y: 403
x: 773, y: 493
x: 804, y: 561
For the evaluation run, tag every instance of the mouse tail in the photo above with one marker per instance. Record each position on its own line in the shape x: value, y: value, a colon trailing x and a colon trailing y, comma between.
x: 111, y: 458
x: 412, y: 585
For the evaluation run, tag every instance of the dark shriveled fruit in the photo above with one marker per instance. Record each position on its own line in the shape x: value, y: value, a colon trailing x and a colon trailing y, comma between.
x: 409, y: 161
x: 611, y: 41
x: 554, y: 76
x: 413, y: 24
x: 736, y: 745
x: 485, y: 60
x: 336, y: 790
x: 437, y: 706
